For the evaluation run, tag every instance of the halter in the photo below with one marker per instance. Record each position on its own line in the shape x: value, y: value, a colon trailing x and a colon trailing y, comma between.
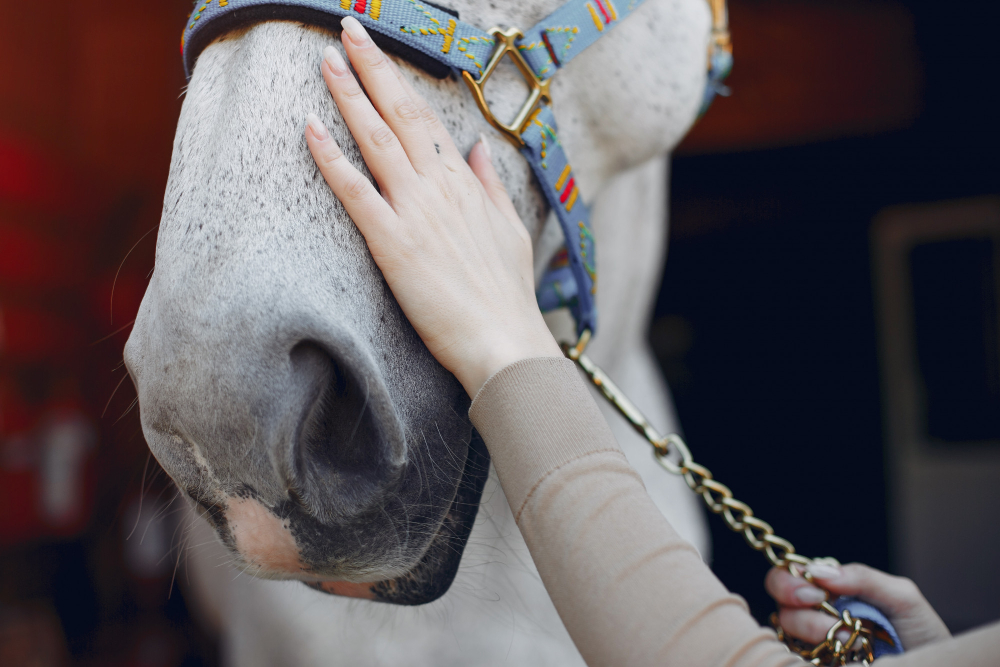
x: 437, y: 41
x: 434, y: 39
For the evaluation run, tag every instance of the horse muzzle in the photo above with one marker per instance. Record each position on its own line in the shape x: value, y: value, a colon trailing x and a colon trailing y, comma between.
x: 285, y: 431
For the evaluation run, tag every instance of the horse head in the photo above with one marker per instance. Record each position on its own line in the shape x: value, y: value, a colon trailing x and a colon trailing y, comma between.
x: 279, y: 384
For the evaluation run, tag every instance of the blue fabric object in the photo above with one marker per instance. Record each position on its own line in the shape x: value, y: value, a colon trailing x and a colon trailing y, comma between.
x: 419, y: 26
x: 572, y: 278
x: 720, y: 65
x: 566, y: 32
x: 886, y: 641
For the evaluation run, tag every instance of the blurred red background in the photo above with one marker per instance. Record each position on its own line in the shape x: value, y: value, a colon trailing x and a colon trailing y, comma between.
x: 89, y: 96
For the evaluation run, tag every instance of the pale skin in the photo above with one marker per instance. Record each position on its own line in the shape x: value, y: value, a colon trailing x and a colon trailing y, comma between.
x: 459, y: 261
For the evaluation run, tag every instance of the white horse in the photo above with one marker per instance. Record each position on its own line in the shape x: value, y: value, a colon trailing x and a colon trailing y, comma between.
x: 283, y: 391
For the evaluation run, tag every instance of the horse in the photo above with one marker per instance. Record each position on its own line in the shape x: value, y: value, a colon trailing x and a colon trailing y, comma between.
x: 288, y: 398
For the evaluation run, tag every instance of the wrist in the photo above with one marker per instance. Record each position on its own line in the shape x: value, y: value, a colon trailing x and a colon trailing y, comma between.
x: 492, y: 356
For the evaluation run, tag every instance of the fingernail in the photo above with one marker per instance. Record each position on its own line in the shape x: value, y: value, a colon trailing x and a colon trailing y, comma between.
x: 354, y: 30
x: 486, y: 147
x: 318, y: 128
x: 335, y: 60
x: 823, y: 571
x: 809, y: 595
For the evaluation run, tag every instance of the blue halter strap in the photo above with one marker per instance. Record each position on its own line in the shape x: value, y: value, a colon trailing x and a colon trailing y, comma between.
x: 423, y: 27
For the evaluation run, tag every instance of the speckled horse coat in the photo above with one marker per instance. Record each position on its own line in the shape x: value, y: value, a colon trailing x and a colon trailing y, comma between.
x: 284, y: 392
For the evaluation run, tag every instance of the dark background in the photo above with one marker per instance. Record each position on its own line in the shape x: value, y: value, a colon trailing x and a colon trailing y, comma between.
x: 765, y: 325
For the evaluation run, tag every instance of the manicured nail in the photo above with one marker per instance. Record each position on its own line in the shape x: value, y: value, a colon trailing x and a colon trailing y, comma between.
x: 318, y: 128
x: 335, y: 60
x: 354, y: 30
x: 486, y: 147
x: 824, y: 571
x: 809, y: 595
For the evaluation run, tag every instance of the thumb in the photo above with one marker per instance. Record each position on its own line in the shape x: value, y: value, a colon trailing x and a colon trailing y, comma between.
x: 481, y: 162
x: 911, y: 613
x: 892, y: 594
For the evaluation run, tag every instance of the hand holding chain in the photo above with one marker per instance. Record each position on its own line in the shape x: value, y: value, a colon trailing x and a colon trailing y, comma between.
x: 674, y: 456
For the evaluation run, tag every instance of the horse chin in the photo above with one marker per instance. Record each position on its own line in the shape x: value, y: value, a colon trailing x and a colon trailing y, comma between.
x: 268, y: 543
x: 434, y: 573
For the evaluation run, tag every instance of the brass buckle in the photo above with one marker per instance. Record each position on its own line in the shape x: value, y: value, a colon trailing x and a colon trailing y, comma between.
x: 539, y: 88
x: 720, y: 29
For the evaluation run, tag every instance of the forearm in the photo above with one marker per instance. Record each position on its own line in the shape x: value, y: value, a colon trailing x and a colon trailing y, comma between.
x: 628, y: 588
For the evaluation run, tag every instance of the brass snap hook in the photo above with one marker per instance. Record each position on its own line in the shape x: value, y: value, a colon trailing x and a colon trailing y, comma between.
x: 539, y: 89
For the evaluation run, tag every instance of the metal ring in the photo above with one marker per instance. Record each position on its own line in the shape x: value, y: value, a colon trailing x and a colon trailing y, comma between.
x: 675, y: 446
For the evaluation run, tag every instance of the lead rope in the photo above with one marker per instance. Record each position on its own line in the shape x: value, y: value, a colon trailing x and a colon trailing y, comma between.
x: 673, y: 455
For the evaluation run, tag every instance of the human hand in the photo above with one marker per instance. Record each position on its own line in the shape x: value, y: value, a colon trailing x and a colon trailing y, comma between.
x: 897, y: 597
x: 444, y: 232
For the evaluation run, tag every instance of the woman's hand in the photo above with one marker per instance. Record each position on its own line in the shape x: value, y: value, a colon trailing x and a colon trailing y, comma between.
x: 444, y: 232
x: 897, y: 597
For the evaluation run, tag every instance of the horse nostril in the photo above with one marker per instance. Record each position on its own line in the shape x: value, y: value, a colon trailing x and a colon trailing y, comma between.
x: 348, y: 451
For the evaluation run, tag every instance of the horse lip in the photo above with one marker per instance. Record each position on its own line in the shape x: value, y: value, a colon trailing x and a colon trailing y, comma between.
x: 433, y: 574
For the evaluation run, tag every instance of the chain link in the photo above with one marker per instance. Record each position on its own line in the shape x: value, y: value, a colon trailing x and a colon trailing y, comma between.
x: 673, y: 455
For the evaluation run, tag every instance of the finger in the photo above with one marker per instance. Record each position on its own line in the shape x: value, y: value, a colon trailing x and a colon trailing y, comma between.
x: 360, y: 198
x: 481, y: 162
x: 379, y: 145
x: 443, y: 142
x: 789, y: 591
x: 807, y: 624
x: 889, y: 593
x: 392, y: 101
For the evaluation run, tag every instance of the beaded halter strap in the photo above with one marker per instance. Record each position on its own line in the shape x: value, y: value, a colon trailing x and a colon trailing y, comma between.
x: 434, y: 39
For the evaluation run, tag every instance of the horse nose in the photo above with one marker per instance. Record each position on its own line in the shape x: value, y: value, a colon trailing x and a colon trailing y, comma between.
x: 349, y: 450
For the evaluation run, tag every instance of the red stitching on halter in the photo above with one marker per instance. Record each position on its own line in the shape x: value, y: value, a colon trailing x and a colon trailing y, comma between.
x: 607, y: 19
x: 565, y: 194
x: 548, y: 45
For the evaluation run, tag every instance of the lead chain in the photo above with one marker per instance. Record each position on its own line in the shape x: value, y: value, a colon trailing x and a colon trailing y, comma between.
x: 673, y: 455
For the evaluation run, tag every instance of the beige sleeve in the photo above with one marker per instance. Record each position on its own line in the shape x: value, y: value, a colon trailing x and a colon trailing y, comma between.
x: 628, y: 588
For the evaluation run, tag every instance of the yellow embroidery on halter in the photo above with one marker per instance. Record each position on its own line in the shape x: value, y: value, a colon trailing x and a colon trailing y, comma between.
x: 197, y: 15
x: 449, y: 35
x: 593, y: 15
x: 562, y: 177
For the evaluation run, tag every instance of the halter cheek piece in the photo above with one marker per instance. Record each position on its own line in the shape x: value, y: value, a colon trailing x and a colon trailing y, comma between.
x: 434, y: 39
